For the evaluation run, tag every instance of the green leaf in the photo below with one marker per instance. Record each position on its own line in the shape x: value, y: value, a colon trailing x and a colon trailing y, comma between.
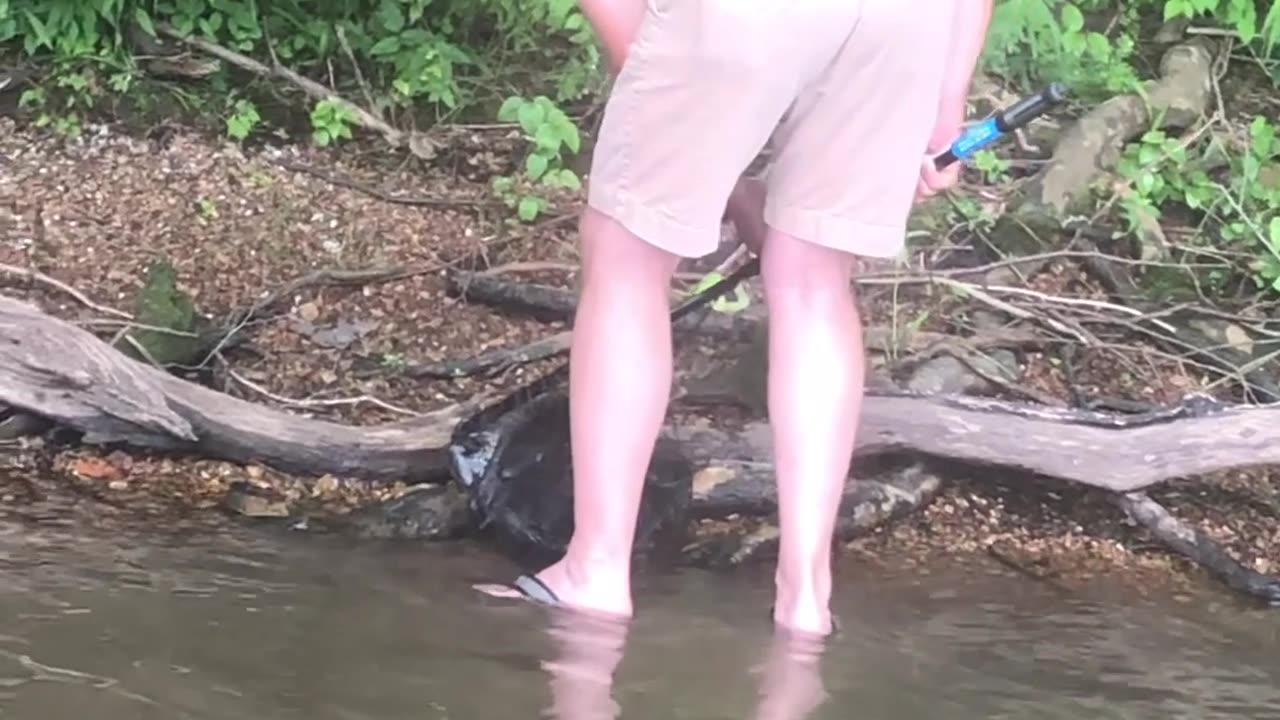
x: 547, y: 139
x: 569, y: 179
x: 531, y: 116
x: 391, y: 16
x: 1274, y: 232
x: 1072, y: 18
x: 144, y: 20
x: 535, y: 165
x: 569, y: 135
x: 528, y: 208
x: 386, y: 46
x: 509, y: 109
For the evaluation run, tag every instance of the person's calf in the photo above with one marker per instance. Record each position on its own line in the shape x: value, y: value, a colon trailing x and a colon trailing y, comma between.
x: 816, y: 372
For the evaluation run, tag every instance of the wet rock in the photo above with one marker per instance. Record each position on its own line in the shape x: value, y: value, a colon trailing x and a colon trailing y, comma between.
x: 249, y: 500
x: 733, y: 543
x: 423, y: 512
x: 16, y: 424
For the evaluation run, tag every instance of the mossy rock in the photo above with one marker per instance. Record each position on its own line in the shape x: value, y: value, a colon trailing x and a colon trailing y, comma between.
x: 162, y: 304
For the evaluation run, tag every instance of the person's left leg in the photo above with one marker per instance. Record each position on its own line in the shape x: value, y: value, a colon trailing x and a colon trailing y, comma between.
x: 619, y: 381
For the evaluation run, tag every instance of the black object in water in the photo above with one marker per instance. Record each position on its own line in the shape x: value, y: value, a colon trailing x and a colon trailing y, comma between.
x: 514, y: 460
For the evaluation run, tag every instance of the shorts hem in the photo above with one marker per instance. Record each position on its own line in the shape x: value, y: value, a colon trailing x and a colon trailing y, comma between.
x: 873, y: 240
x: 653, y: 226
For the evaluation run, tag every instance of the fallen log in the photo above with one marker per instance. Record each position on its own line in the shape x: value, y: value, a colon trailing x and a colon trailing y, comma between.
x: 548, y: 303
x: 55, y: 369
x: 52, y: 368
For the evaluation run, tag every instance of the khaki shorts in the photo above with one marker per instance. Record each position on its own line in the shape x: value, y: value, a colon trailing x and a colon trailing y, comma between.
x: 847, y: 92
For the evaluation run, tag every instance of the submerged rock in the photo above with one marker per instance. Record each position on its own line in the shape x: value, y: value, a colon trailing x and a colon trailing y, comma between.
x: 513, y: 461
x: 424, y: 512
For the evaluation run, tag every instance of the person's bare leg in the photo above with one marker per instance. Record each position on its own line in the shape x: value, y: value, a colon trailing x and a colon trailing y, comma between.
x: 620, y: 369
x: 816, y: 375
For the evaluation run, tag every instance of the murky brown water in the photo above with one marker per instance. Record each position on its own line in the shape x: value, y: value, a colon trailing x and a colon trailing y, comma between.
x: 112, y: 625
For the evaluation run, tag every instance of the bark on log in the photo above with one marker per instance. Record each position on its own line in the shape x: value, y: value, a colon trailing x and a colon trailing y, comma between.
x: 1123, y: 453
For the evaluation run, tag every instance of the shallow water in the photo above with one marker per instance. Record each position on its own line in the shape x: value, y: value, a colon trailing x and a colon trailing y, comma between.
x: 103, y: 623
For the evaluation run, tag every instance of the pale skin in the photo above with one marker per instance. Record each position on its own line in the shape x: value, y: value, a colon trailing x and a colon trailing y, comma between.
x: 621, y: 367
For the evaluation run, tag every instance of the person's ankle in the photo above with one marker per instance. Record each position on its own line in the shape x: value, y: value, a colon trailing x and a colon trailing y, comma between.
x: 596, y: 581
x: 803, y: 598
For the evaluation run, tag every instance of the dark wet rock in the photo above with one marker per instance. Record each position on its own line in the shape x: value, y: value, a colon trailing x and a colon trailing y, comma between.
x: 424, y: 512
x: 513, y: 460
x: 749, y: 535
x: 16, y: 424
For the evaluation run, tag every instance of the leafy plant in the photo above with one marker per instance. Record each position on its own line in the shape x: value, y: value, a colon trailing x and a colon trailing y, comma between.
x: 548, y: 131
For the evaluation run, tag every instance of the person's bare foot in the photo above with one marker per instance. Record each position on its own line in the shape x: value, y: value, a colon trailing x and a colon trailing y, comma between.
x: 805, y: 617
x: 599, y: 590
x: 602, y: 591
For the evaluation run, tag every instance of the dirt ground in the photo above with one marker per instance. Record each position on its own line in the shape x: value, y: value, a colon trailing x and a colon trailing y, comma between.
x: 239, y: 222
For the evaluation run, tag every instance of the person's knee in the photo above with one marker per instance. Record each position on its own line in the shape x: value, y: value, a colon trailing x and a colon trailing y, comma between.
x: 795, y: 269
x: 613, y: 254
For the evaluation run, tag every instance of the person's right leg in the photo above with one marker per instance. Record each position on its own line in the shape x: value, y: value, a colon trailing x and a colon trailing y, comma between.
x: 842, y: 185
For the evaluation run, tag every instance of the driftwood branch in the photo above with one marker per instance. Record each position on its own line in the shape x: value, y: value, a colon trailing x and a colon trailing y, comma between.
x: 1198, y: 547
x: 416, y: 142
x: 551, y: 303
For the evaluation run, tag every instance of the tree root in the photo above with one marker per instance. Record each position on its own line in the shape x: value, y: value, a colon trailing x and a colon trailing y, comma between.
x: 1093, y: 144
x: 416, y: 142
x: 1198, y: 547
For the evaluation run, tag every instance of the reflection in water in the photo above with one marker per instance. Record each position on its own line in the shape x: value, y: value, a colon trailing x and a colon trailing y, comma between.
x: 587, y: 650
x: 791, y: 685
x: 585, y: 656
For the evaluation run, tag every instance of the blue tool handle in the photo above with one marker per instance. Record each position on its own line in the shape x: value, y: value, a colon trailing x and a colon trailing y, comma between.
x: 994, y: 127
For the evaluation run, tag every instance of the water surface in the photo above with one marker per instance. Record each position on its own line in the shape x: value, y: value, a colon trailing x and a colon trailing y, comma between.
x: 110, y: 623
